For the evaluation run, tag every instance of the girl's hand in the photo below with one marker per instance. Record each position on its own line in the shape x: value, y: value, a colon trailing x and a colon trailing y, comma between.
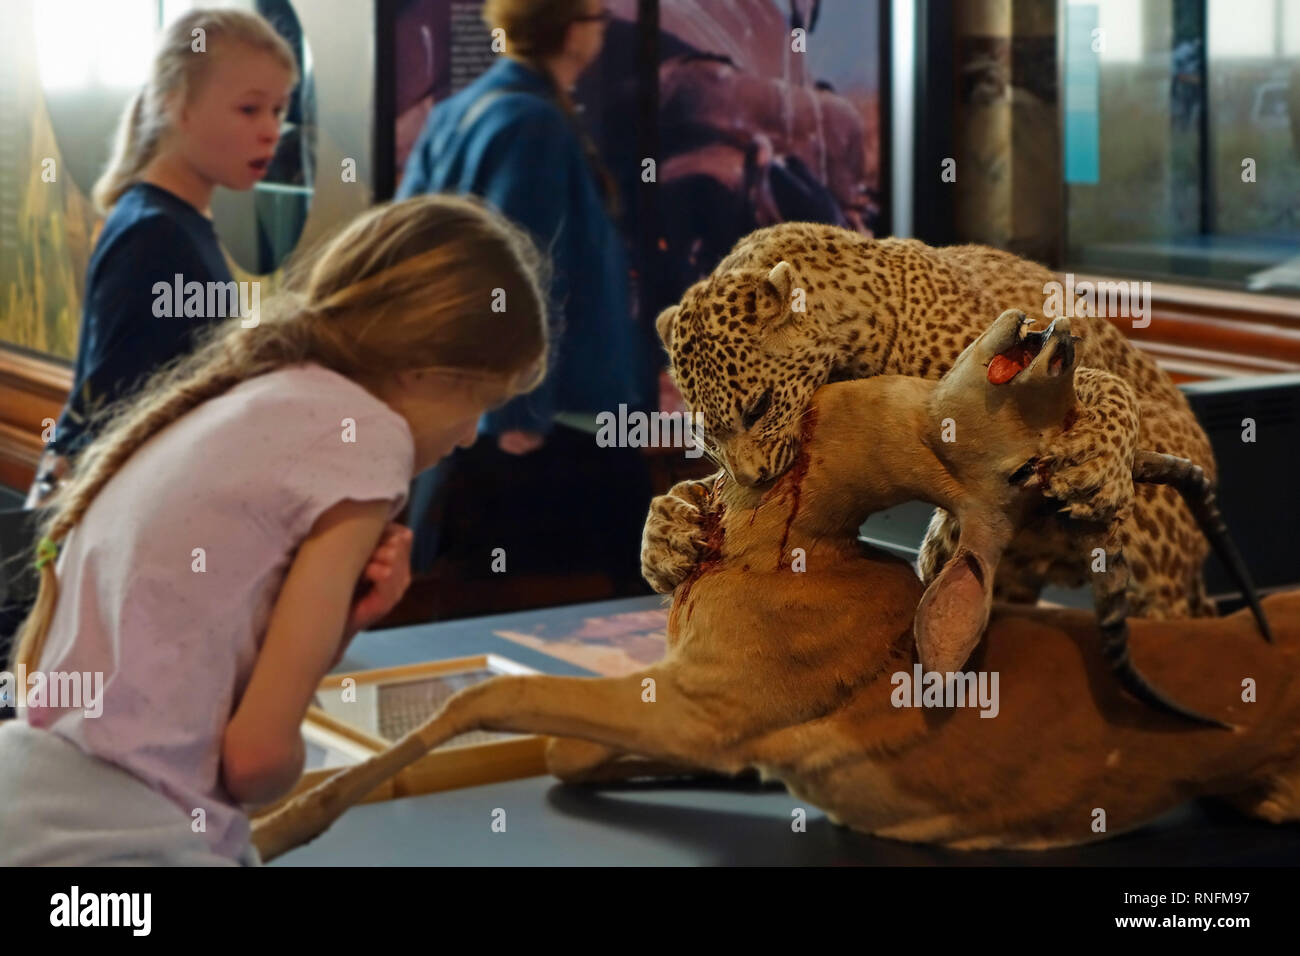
x: 520, y: 442
x: 382, y: 584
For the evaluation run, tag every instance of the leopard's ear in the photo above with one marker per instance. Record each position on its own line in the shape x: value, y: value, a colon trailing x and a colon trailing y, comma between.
x: 794, y: 315
x: 664, y: 326
x: 781, y: 279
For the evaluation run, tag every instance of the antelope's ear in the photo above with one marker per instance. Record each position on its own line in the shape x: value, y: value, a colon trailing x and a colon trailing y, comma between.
x: 664, y: 326
x: 953, y: 612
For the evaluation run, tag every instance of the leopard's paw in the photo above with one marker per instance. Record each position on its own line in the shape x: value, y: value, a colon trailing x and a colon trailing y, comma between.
x: 672, y: 542
x: 1088, y: 467
x: 1095, y: 490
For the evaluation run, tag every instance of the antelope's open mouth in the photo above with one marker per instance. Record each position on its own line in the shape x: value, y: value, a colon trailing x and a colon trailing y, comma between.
x: 1010, y: 362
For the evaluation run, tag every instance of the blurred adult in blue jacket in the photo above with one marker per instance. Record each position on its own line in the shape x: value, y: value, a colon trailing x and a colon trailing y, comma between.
x: 512, y: 138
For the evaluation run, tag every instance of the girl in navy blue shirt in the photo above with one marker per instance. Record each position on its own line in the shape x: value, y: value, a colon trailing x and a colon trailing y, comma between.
x: 208, y: 116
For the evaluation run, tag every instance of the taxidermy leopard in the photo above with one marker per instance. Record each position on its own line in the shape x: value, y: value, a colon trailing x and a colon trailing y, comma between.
x: 747, y: 357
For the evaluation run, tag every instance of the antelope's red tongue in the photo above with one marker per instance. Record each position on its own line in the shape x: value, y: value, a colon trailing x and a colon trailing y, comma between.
x: 1003, y: 369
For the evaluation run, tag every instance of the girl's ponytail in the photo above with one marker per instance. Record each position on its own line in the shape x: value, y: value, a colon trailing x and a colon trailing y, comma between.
x: 130, y: 155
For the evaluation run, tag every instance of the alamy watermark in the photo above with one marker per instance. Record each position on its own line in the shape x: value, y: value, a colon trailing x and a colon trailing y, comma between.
x: 1085, y: 298
x: 75, y: 908
x: 210, y: 300
x: 60, y: 690
x: 950, y: 689
x: 638, y: 429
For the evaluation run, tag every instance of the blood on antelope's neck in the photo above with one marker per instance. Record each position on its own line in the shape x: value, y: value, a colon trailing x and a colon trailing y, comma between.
x: 792, y: 480
x: 728, y: 501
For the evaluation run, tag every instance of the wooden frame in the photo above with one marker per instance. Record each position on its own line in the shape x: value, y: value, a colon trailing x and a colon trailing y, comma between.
x: 32, y: 388
x: 447, y: 768
x: 1200, y: 332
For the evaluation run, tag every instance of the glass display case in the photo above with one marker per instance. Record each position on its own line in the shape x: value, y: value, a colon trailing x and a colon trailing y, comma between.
x: 1182, y: 140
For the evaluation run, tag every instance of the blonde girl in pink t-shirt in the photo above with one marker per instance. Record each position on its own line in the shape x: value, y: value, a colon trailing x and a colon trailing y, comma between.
x: 401, y: 303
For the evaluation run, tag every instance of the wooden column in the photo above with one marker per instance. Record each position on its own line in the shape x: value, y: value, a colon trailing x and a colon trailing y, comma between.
x: 1007, y: 143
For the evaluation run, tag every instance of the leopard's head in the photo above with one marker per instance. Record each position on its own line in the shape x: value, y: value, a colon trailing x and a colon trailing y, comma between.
x: 747, y: 350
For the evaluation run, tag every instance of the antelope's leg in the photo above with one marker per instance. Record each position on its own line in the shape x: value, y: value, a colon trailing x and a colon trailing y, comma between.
x: 611, y: 711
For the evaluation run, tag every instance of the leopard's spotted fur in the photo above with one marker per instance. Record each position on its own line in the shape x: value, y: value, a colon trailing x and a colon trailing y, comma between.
x: 898, y: 306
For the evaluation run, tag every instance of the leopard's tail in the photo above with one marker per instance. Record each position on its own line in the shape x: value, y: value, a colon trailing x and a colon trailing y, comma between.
x: 1198, y: 491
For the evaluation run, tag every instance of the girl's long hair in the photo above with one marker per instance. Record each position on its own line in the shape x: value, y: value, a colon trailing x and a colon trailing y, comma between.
x: 176, y: 74
x: 433, y: 282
